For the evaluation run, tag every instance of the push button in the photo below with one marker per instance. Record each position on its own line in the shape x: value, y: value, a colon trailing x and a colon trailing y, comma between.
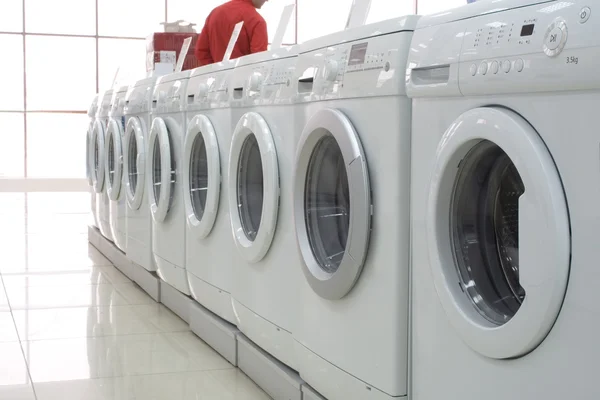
x: 584, y: 15
x: 473, y: 69
x: 555, y: 38
x: 506, y: 66
x: 519, y: 64
x: 483, y: 68
x: 494, y: 67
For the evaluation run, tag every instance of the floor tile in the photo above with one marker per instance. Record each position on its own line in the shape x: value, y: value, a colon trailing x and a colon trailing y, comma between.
x: 17, y: 392
x: 115, y: 356
x: 55, y: 260
x: 8, y: 332
x: 40, y: 297
x: 81, y: 322
x: 13, y: 370
x: 85, y: 276
x: 230, y: 385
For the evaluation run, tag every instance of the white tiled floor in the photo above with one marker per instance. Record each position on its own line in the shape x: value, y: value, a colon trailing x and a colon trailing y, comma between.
x: 73, y: 327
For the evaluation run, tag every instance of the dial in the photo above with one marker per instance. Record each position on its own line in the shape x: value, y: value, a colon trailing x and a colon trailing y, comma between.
x: 330, y: 71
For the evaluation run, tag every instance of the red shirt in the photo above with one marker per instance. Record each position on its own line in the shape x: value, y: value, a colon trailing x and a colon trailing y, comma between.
x: 215, y: 35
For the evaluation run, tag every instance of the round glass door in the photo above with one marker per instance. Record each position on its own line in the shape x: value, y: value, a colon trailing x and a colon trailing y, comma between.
x: 254, y: 186
x: 162, y: 170
x: 114, y: 165
x: 97, y: 155
x: 134, y: 162
x: 202, y: 179
x: 332, y: 204
x: 499, y: 228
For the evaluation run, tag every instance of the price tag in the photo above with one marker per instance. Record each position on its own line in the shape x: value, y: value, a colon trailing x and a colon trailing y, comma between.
x: 234, y: 37
x: 184, y: 50
x: 358, y: 13
x: 284, y: 21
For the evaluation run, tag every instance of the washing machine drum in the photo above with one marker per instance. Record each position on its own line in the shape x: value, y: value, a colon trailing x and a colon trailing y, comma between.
x: 497, y: 223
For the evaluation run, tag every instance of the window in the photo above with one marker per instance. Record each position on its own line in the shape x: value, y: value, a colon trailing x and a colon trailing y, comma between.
x: 79, y: 20
x: 11, y: 17
x: 425, y: 7
x: 319, y: 18
x: 12, y: 151
x: 271, y: 12
x: 130, y: 18
x: 56, y: 145
x: 382, y: 10
x: 129, y: 55
x: 11, y: 66
x: 61, y: 72
x: 195, y: 11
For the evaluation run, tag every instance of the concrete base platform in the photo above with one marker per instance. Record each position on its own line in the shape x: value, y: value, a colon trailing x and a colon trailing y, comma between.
x: 275, y: 378
x: 309, y: 393
x: 175, y: 301
x: 215, y: 331
x: 148, y: 281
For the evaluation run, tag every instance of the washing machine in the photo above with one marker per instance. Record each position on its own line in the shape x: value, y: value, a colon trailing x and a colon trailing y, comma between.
x: 99, y: 164
x: 351, y: 211
x: 505, y: 194
x: 92, y: 111
x: 138, y: 105
x: 208, y: 237
x: 164, y: 177
x: 259, y: 187
x: 114, y: 168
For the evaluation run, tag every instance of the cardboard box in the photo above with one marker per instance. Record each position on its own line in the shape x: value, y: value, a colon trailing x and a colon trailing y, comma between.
x: 165, y: 47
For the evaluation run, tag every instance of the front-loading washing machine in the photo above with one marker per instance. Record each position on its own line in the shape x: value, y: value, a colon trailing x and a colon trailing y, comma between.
x: 351, y: 211
x: 138, y: 105
x: 92, y: 111
x: 209, y: 242
x: 505, y: 193
x: 114, y: 168
x: 164, y: 178
x: 99, y: 164
x: 259, y: 187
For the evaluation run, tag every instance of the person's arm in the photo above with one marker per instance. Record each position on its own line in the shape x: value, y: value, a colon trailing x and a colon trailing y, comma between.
x: 260, y: 38
x: 202, y: 50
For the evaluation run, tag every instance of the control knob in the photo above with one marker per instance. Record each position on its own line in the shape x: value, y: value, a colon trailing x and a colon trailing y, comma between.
x: 256, y: 80
x: 330, y: 71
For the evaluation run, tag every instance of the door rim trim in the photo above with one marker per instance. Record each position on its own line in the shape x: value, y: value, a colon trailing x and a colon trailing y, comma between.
x: 333, y: 122
x: 545, y: 290
x: 201, y: 125
x: 252, y: 123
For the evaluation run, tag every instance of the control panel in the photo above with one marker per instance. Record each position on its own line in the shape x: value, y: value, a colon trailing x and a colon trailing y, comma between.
x: 543, y: 47
x: 117, y: 106
x: 277, y: 85
x: 104, y: 108
x: 138, y: 100
x: 363, y: 68
x: 170, y: 96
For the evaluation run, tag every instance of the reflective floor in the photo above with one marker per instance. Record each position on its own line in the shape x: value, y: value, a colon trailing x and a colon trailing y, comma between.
x: 73, y: 327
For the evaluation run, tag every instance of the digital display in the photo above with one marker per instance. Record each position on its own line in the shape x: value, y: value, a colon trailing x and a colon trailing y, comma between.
x: 527, y: 30
x: 358, y: 53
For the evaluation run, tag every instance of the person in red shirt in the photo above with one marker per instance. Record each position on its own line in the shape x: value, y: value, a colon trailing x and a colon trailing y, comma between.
x: 215, y: 35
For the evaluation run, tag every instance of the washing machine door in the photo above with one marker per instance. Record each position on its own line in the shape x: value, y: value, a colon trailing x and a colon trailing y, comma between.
x: 332, y: 204
x: 253, y: 186
x: 202, y: 176
x: 88, y: 154
x: 162, y: 172
x: 134, y: 162
x: 114, y: 159
x: 498, y: 232
x: 98, y: 160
